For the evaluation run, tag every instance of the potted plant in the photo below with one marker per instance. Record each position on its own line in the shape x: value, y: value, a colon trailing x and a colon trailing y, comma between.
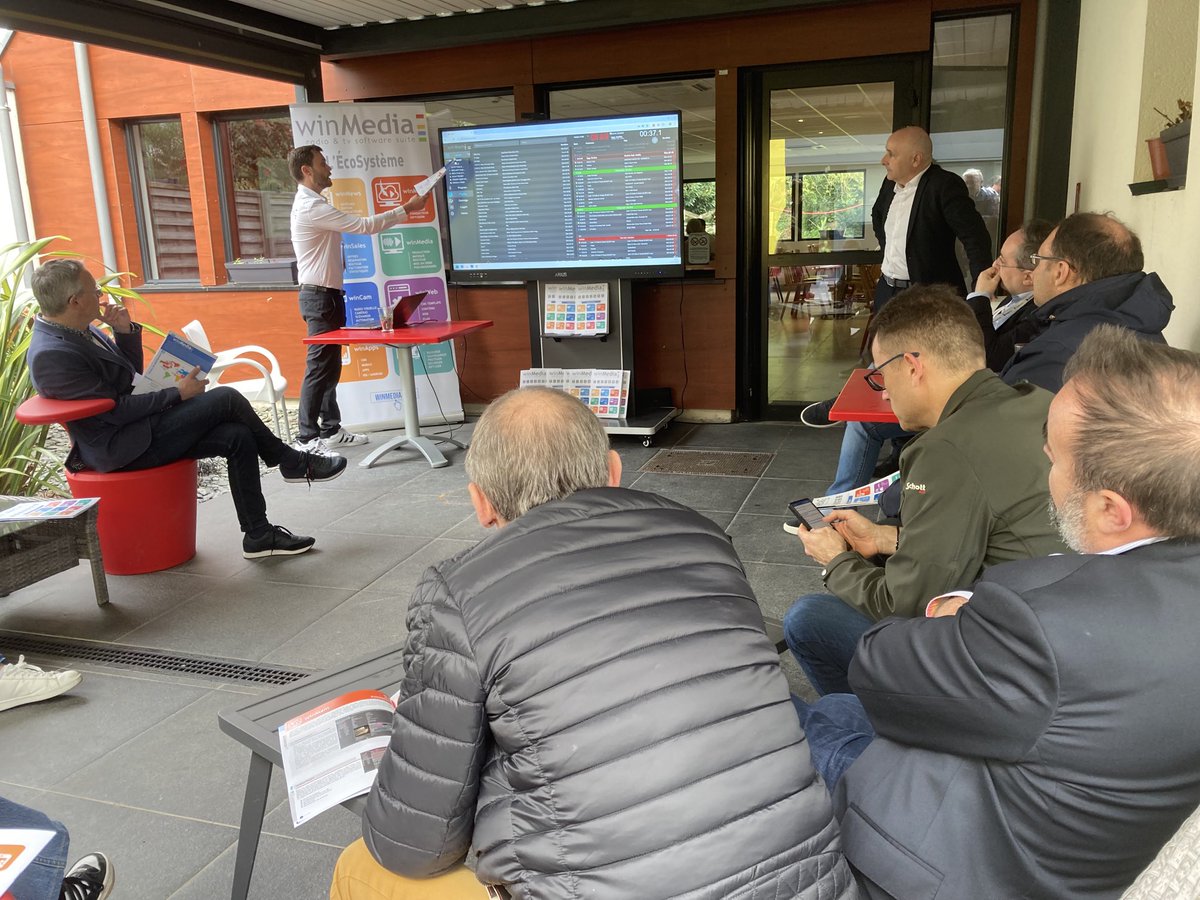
x: 262, y: 270
x: 1175, y: 138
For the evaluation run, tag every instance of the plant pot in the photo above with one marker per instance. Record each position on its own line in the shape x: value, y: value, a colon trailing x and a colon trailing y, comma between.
x: 1175, y: 141
x: 1160, y: 169
x: 262, y: 271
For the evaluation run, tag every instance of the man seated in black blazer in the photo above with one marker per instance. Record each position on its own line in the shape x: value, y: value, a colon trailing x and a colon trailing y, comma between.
x: 70, y: 359
x: 1037, y: 737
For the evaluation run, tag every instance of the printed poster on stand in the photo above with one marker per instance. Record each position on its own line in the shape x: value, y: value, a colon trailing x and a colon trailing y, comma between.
x: 378, y: 152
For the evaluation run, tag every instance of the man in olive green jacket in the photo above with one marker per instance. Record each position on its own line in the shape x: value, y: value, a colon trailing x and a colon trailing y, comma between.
x: 974, y: 489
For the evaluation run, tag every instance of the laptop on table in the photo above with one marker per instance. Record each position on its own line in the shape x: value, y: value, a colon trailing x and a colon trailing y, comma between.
x: 403, y: 313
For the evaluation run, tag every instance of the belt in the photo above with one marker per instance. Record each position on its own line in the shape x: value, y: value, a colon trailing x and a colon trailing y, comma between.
x: 321, y: 289
x: 896, y: 282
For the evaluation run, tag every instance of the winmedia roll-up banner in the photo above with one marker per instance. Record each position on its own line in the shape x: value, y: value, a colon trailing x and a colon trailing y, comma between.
x: 378, y: 152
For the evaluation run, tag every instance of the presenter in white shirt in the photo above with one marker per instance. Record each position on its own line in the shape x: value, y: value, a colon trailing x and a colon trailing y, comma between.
x: 317, y: 227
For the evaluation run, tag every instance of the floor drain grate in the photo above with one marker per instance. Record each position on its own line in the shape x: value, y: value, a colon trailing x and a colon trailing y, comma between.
x: 708, y: 462
x: 13, y: 643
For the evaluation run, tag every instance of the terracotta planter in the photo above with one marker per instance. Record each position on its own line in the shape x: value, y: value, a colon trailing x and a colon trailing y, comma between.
x: 1159, y: 167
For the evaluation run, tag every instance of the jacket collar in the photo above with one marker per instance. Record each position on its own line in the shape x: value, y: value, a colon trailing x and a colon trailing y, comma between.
x: 979, y: 384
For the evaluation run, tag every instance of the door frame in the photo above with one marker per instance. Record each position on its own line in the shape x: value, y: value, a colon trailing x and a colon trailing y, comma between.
x: 911, y: 74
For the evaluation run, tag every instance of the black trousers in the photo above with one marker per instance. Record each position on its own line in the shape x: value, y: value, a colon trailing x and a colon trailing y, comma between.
x: 324, y: 310
x: 219, y: 422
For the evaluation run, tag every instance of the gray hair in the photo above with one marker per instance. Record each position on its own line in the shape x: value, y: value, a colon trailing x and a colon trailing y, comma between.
x: 534, y: 445
x: 1138, y: 428
x: 56, y: 282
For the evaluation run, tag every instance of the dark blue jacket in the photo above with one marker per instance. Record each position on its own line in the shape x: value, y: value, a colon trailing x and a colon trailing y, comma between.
x: 1138, y: 301
x: 72, y: 366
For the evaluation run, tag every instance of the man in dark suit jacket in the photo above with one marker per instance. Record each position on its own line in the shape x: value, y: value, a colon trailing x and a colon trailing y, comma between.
x: 70, y: 359
x: 920, y: 211
x: 1038, y: 737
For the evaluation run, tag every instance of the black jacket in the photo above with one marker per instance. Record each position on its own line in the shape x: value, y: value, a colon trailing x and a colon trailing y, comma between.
x: 68, y: 366
x: 1139, y: 302
x: 942, y: 210
x: 591, y: 701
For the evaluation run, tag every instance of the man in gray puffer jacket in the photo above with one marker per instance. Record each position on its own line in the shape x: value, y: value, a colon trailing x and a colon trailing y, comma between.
x: 590, y: 704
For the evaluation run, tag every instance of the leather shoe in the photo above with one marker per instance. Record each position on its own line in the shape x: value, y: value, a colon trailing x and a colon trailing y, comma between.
x: 276, y: 541
x: 314, y: 467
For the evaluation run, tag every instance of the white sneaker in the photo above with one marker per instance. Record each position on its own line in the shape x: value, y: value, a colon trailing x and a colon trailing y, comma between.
x: 22, y: 683
x: 342, y: 438
x: 317, y: 447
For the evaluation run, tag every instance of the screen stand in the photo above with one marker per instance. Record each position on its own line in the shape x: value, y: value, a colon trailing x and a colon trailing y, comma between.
x: 615, y: 351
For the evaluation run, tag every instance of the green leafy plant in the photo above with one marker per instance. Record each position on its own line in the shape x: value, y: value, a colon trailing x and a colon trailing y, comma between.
x: 29, y: 468
x: 1185, y: 113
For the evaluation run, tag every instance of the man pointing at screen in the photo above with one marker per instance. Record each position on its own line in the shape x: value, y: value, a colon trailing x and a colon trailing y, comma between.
x: 317, y: 227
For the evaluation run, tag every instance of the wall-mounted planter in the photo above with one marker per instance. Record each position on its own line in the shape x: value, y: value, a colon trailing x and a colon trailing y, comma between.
x: 262, y: 271
x: 1175, y: 141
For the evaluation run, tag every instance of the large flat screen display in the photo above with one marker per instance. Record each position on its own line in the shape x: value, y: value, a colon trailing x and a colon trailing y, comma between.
x: 568, y: 200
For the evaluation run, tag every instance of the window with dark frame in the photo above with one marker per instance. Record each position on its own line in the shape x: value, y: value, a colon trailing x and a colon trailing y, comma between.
x: 832, y: 205
x: 258, y: 189
x: 165, y: 223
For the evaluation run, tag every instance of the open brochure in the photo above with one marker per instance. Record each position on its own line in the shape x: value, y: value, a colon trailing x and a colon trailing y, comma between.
x: 332, y: 753
x: 172, y: 363
x: 48, y: 509
x: 859, y: 496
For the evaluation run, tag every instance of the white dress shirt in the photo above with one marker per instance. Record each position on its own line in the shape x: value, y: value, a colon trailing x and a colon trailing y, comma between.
x: 1005, y: 310
x: 895, y: 229
x: 317, y: 228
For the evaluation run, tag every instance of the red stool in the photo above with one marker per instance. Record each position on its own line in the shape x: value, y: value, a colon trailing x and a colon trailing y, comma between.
x: 147, y: 518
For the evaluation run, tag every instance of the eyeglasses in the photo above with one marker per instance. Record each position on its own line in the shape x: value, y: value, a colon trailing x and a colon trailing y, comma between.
x: 98, y: 292
x: 1037, y: 260
x: 1003, y: 265
x: 871, y: 377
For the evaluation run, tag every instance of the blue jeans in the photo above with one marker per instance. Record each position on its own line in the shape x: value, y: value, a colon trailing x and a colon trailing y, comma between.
x: 822, y: 632
x: 44, y: 877
x: 838, y: 731
x: 861, y: 444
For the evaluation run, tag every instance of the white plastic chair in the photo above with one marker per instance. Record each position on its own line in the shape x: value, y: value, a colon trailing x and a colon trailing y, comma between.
x: 267, y: 389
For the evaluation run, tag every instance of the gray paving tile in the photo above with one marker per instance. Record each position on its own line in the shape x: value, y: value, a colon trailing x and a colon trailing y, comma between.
x: 67, y: 608
x: 803, y: 465
x: 715, y: 492
x: 762, y: 539
x: 365, y: 622
x: 313, y: 508
x: 423, y: 480
x: 183, y: 765
x: 401, y: 580
x: 400, y: 513
x: 758, y: 436
x: 801, y: 437
x: 239, y: 618
x: 771, y: 496
x: 777, y: 586
x: 340, y: 559
x: 153, y: 854
x: 285, y: 868
x: 43, y: 743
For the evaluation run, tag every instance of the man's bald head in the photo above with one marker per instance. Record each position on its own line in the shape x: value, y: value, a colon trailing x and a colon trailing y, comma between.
x: 534, y: 445
x: 909, y: 151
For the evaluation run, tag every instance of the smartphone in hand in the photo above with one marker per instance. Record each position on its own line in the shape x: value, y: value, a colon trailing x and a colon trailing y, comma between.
x: 807, y: 512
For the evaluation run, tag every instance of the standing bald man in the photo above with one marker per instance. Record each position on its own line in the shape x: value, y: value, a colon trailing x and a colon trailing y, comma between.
x: 920, y: 210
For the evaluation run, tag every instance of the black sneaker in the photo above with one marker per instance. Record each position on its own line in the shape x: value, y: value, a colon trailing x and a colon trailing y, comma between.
x: 816, y: 415
x: 314, y: 467
x: 277, y: 541
x: 91, y: 878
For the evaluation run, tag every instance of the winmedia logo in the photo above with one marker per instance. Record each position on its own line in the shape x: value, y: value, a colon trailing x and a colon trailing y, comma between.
x: 355, y: 123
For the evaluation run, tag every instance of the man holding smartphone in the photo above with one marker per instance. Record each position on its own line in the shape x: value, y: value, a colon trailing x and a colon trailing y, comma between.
x: 973, y: 486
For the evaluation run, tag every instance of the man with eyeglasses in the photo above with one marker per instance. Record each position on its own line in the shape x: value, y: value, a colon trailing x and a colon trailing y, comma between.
x: 1088, y: 272
x: 1036, y: 737
x: 973, y: 486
